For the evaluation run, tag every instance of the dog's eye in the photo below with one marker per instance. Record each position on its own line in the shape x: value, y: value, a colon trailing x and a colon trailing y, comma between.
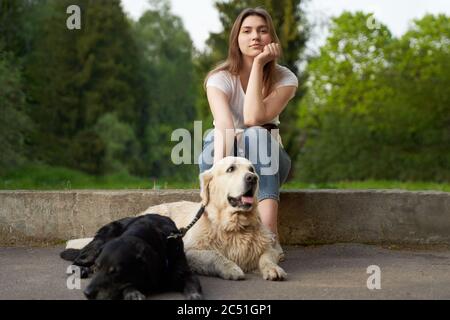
x: 251, y: 169
x: 231, y: 169
x: 112, y: 270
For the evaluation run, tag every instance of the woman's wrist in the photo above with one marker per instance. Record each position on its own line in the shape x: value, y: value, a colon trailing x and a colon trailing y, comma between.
x: 258, y: 63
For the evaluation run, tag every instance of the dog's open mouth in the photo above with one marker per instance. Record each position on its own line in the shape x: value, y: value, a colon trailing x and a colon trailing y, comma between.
x: 244, y: 201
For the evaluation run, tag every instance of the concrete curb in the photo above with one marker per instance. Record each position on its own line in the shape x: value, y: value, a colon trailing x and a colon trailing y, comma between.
x: 306, y: 216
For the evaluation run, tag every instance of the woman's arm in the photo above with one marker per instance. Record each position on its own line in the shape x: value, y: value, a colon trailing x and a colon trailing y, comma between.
x: 258, y: 111
x: 224, y: 127
x: 254, y: 108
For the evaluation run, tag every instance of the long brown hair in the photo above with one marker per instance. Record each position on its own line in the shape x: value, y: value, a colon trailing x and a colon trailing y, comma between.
x: 233, y: 63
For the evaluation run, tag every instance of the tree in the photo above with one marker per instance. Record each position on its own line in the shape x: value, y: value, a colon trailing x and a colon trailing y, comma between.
x: 77, y: 76
x: 120, y: 143
x: 16, y: 24
x: 10, y: 25
x: 417, y: 117
x: 343, y: 90
x: 14, y: 122
x: 170, y: 87
x: 16, y: 41
x: 378, y: 107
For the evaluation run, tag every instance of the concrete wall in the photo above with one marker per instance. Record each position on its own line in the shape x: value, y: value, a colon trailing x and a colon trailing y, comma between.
x: 306, y: 217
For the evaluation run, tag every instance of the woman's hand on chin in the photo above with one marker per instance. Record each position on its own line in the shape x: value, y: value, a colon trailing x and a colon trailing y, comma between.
x: 272, y: 51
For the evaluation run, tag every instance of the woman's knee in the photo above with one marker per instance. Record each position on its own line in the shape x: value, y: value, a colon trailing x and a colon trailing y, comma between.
x: 256, y: 140
x: 255, y: 134
x: 206, y: 157
x: 261, y: 148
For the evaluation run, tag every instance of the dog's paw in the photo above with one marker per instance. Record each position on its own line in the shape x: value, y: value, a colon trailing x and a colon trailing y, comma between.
x: 274, y: 273
x: 85, y: 272
x: 195, y: 296
x: 233, y: 273
x: 133, y: 295
x: 82, y: 272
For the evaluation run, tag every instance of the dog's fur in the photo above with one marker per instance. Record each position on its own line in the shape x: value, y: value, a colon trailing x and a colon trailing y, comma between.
x: 132, y: 257
x: 229, y: 239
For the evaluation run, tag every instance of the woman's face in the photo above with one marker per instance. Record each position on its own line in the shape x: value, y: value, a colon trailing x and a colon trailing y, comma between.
x: 253, y: 36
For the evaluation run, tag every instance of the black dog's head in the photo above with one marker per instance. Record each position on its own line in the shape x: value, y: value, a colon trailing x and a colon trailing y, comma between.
x: 124, y: 264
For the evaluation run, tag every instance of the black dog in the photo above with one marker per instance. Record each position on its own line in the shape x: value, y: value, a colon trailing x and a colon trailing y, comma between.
x: 132, y: 257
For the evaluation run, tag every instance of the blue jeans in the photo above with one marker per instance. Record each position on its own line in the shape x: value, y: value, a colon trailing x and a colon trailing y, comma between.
x: 261, y: 148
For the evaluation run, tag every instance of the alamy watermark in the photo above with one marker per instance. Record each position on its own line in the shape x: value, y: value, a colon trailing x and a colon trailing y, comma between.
x: 374, y: 280
x: 74, y: 279
x: 74, y: 20
x: 372, y: 23
x: 255, y: 143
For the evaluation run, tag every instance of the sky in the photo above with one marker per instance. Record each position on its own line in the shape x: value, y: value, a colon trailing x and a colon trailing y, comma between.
x: 200, y: 17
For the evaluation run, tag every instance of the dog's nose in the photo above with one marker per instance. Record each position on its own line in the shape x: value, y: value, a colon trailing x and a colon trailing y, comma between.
x: 89, y: 292
x: 250, y: 178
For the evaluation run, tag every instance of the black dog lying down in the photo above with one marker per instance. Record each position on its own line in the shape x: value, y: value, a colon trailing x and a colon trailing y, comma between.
x: 132, y: 257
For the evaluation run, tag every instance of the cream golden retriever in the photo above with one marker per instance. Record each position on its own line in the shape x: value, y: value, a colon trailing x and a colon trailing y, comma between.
x: 229, y: 239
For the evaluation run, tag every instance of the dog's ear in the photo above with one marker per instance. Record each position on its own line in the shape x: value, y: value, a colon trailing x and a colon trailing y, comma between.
x: 205, y: 179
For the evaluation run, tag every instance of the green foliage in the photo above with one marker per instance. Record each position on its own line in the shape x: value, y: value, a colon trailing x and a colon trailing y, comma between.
x: 16, y: 41
x: 419, y: 77
x: 121, y: 146
x: 10, y: 24
x: 377, y: 107
x: 76, y: 77
x: 88, y: 152
x: 14, y: 123
x: 105, y: 99
x: 108, y: 59
x: 17, y: 24
x: 371, y: 185
x: 167, y: 50
x: 42, y: 177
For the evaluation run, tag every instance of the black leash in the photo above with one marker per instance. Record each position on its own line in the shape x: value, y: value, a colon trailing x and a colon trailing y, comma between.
x: 183, y: 231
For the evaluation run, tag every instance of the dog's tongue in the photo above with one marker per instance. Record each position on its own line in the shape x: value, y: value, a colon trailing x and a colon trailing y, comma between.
x: 247, y: 200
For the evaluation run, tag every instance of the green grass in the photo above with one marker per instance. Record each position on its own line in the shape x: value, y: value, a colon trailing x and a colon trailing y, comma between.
x: 41, y: 177
x: 372, y: 184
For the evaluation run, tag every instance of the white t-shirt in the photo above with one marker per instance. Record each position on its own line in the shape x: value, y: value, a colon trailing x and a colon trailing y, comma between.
x: 231, y: 86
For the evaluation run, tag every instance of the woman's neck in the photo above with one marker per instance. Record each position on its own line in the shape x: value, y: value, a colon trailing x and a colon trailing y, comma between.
x: 246, y: 68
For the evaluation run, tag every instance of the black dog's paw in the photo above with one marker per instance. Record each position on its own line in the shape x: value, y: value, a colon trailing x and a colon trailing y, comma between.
x: 195, y: 296
x: 70, y: 254
x: 192, y: 288
x: 133, y: 295
x: 85, y: 272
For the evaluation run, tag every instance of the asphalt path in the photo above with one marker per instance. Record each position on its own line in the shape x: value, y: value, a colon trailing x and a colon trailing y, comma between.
x: 338, y: 271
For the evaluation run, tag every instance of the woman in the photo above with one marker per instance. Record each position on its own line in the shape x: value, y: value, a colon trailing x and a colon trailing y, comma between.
x: 246, y: 94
